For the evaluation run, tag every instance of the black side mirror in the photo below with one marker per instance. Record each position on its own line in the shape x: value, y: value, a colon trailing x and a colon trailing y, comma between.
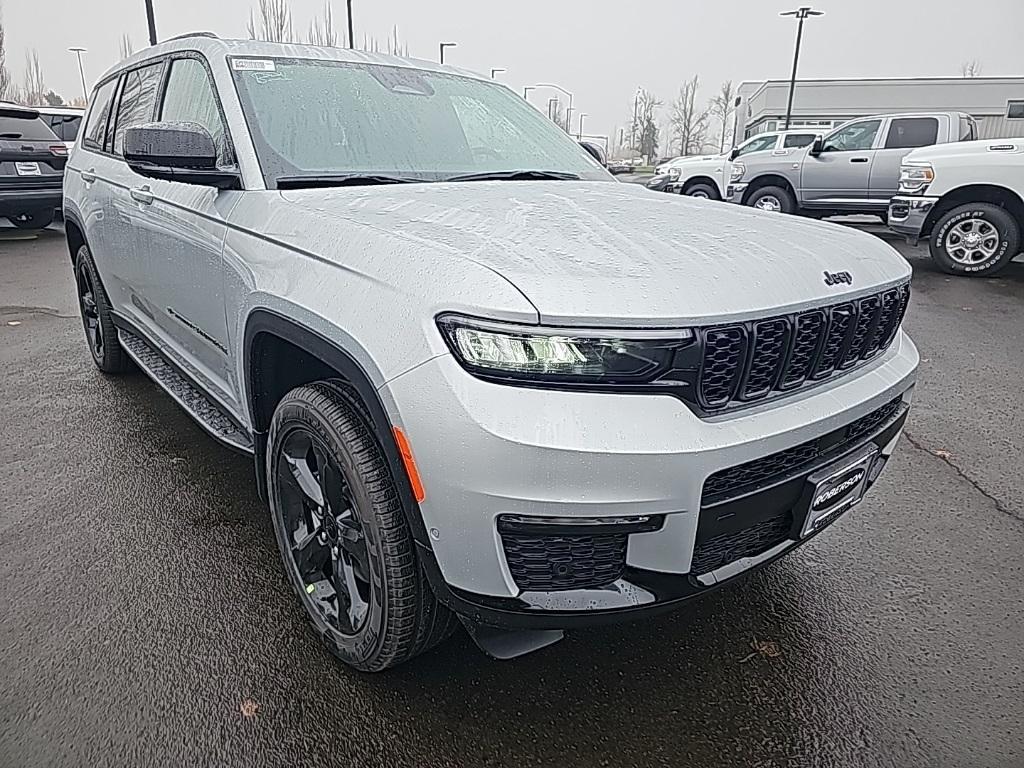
x: 817, y: 147
x: 734, y: 154
x: 595, y: 152
x: 183, y: 152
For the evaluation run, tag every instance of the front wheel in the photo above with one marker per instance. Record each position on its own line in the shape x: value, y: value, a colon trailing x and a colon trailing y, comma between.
x: 976, y: 240
x: 774, y: 199
x: 346, y: 546
x: 33, y: 219
x: 704, y: 191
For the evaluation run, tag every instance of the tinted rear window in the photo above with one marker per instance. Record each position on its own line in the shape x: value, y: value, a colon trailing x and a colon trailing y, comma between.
x: 65, y: 126
x: 910, y: 132
x: 25, y: 128
x: 798, y: 140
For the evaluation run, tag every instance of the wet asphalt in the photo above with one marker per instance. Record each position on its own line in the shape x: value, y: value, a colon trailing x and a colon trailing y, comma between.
x: 146, y: 620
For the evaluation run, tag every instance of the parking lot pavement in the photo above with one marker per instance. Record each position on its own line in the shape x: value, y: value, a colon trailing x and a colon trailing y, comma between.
x: 146, y: 620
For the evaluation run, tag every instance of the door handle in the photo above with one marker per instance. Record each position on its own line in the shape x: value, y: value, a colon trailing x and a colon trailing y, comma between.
x: 142, y: 195
x: 89, y: 176
x: 858, y: 159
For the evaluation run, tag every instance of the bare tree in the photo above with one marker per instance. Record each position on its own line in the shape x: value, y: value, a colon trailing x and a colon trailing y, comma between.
x: 53, y: 99
x: 689, y: 122
x: 557, y: 113
x: 644, y: 129
x: 127, y: 48
x: 5, y: 75
x: 275, y: 24
x: 395, y: 46
x: 321, y: 31
x: 722, y: 107
x: 971, y: 68
x: 34, y: 86
x: 78, y: 101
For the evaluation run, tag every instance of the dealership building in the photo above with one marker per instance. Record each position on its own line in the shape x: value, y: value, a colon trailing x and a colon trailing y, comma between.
x: 997, y: 103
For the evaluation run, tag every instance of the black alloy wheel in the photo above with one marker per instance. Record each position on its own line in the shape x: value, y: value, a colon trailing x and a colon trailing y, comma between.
x: 90, y: 312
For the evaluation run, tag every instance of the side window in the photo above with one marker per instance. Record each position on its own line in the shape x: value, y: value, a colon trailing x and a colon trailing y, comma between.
x: 189, y: 97
x: 1015, y: 109
x: 855, y: 137
x: 968, y: 130
x: 138, y: 99
x: 758, y: 144
x: 798, y: 140
x: 910, y: 132
x: 99, y: 114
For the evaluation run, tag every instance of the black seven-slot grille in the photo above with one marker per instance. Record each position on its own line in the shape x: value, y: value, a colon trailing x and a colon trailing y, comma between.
x: 748, y: 362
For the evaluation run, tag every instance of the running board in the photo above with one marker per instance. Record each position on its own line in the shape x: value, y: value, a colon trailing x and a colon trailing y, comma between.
x: 509, y: 643
x: 210, y: 415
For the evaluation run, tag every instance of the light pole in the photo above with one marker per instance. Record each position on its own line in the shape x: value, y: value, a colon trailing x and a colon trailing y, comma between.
x: 348, y: 7
x: 551, y: 103
x: 81, y: 70
x: 526, y: 90
x: 632, y: 128
x: 579, y: 133
x: 568, y: 110
x: 442, y: 46
x: 151, y: 21
x: 800, y: 13
x: 496, y: 70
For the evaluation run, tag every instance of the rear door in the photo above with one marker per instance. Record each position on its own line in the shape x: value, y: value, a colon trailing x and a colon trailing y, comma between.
x: 902, y: 134
x: 32, y: 158
x: 840, y: 176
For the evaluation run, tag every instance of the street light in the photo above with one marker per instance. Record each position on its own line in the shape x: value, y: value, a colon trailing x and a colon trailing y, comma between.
x: 348, y: 7
x: 151, y: 21
x: 81, y: 70
x: 568, y: 111
x: 442, y: 46
x: 579, y: 133
x: 527, y: 89
x: 551, y: 102
x: 496, y: 70
x: 800, y: 13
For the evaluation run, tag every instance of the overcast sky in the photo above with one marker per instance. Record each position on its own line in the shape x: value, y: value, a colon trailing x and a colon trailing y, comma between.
x: 600, y: 50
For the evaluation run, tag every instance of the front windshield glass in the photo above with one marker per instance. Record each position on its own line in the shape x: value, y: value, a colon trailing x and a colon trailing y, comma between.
x: 328, y: 118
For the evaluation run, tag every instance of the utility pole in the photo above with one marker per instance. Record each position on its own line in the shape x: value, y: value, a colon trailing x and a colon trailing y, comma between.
x: 632, y: 127
x: 800, y: 13
x: 579, y: 133
x: 442, y: 46
x: 351, y: 38
x: 527, y: 89
x: 551, y: 103
x: 81, y: 71
x: 496, y: 70
x: 151, y: 20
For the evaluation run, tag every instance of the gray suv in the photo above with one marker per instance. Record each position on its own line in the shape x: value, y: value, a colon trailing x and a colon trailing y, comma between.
x: 481, y: 380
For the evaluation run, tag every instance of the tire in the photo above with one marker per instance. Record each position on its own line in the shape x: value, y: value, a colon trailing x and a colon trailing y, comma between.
x: 343, y: 536
x: 94, y: 306
x: 955, y: 251
x: 776, y: 199
x: 33, y: 219
x: 705, y: 191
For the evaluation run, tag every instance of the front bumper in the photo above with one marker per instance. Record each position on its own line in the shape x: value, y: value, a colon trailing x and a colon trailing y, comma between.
x: 659, y: 183
x: 487, y: 451
x: 907, y: 215
x: 734, y: 192
x: 17, y: 201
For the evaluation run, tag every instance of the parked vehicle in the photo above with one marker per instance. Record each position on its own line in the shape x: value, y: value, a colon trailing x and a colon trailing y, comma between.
x: 619, y: 166
x: 967, y: 200
x: 479, y: 378
x: 32, y: 163
x: 853, y: 170
x: 707, y: 175
x: 63, y: 121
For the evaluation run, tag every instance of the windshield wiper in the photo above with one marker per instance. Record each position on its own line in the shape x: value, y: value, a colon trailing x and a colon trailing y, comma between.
x: 525, y: 175
x: 342, y: 180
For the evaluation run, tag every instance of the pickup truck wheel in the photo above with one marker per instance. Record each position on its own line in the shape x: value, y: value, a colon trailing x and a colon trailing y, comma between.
x: 94, y: 306
x: 976, y: 240
x: 775, y: 199
x: 705, y: 191
x: 339, y: 524
x: 33, y: 219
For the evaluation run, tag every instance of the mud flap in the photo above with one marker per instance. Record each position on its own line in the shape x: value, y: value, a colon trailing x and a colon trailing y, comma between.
x: 510, y: 643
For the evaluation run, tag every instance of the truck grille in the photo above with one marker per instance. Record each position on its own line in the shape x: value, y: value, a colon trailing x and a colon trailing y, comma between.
x: 728, y: 547
x: 748, y: 362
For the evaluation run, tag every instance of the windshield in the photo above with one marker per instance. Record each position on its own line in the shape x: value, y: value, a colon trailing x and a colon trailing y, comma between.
x: 329, y: 118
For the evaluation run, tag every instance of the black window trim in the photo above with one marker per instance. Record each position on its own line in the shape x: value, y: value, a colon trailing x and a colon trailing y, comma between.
x: 86, y: 144
x: 229, y: 145
x: 160, y: 61
x: 108, y: 137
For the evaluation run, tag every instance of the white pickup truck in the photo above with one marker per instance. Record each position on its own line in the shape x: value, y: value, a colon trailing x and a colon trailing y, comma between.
x: 708, y: 175
x: 967, y: 200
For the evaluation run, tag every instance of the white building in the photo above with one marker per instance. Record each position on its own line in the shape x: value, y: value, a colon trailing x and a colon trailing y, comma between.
x: 997, y: 103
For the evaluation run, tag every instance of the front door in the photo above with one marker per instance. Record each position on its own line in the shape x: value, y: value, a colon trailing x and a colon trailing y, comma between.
x: 902, y: 134
x: 839, y: 176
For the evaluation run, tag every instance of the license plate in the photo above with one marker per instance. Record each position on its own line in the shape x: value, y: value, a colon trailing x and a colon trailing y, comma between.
x: 27, y: 169
x: 836, y: 488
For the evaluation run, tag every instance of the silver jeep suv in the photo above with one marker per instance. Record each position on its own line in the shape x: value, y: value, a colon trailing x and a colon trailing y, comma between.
x: 481, y: 380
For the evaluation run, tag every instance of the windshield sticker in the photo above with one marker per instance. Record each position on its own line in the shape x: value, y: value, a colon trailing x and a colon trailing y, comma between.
x: 253, y: 65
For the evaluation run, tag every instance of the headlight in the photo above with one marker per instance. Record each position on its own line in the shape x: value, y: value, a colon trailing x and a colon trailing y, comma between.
x: 673, y: 173
x: 738, y: 169
x: 502, y: 351
x: 916, y: 178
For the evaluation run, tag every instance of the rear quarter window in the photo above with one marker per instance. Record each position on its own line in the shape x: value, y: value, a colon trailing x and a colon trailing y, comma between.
x: 798, y: 140
x: 99, y: 115
x: 911, y: 132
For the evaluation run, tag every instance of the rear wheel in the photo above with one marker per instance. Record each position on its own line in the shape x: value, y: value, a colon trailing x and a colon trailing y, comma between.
x: 976, y: 240
x: 33, y: 219
x: 94, y: 306
x: 775, y: 199
x: 346, y: 546
x: 705, y: 191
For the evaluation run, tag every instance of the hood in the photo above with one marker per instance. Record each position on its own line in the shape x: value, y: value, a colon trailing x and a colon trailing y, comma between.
x: 972, y: 149
x: 606, y: 253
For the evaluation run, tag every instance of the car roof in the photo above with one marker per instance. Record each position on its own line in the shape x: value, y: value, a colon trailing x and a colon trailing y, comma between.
x: 212, y: 46
x: 74, y: 111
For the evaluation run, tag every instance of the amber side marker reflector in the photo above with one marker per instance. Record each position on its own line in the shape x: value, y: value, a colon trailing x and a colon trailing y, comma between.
x: 410, y: 464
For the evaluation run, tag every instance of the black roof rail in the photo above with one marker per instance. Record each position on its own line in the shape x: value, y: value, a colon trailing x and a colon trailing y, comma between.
x: 192, y: 34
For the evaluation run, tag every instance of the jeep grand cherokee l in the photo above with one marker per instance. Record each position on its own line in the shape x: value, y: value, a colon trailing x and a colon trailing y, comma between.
x: 481, y: 380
